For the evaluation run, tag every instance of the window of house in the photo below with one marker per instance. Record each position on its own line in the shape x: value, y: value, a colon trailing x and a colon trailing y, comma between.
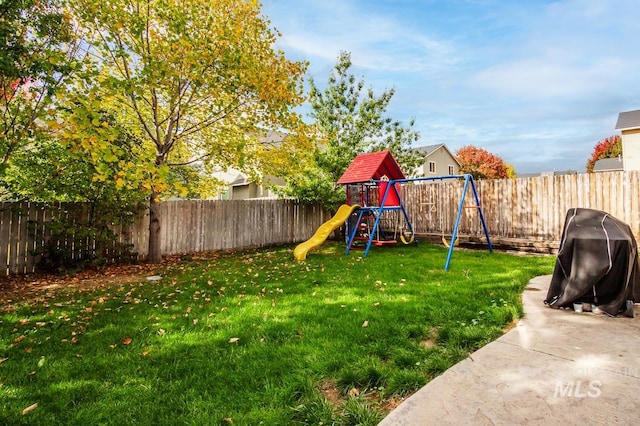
x: 451, y: 171
x: 432, y: 167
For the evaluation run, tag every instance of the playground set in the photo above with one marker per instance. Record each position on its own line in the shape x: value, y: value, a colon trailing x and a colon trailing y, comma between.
x: 374, y: 196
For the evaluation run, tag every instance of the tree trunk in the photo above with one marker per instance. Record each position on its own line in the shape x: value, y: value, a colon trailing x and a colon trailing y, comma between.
x: 155, y: 252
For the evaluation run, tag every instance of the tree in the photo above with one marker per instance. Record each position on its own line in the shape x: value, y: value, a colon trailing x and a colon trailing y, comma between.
x: 349, y: 121
x: 481, y: 164
x: 198, y: 81
x: 49, y: 172
x: 38, y: 52
x: 610, y: 147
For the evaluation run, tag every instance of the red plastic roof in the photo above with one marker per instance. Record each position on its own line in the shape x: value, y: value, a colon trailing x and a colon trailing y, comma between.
x: 373, y: 166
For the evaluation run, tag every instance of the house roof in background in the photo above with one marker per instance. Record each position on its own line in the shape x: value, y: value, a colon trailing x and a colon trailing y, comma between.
x: 372, y: 166
x: 628, y: 120
x: 427, y: 150
x: 608, y: 165
x: 273, y: 137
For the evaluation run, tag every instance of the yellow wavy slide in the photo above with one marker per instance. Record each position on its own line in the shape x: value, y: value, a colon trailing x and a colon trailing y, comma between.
x: 323, y: 232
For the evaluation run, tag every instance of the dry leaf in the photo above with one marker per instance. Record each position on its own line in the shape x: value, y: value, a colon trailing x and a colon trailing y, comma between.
x: 234, y: 340
x: 365, y: 324
x: 29, y: 408
x: 145, y: 353
x: 3, y: 360
x: 126, y: 341
x: 354, y: 392
x: 162, y: 332
x: 18, y: 340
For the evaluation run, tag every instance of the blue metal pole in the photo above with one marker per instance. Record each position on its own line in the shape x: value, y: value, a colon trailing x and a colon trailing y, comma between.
x: 484, y: 224
x: 376, y: 223
x: 455, y: 227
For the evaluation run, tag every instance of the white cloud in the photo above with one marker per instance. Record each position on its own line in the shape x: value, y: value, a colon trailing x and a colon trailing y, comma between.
x: 376, y: 42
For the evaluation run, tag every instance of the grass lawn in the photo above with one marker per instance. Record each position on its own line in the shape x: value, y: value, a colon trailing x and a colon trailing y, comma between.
x: 256, y: 338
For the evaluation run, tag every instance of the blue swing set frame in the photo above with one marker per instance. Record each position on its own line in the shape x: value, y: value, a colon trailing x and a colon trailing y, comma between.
x: 392, y: 185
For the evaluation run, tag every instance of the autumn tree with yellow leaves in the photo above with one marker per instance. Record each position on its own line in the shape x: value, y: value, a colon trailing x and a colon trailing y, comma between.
x: 197, y: 82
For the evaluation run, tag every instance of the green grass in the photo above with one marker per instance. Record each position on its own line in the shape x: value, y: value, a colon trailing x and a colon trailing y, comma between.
x: 257, y: 338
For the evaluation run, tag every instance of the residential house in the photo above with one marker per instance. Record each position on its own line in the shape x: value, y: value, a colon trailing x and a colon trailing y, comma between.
x: 609, y: 165
x: 239, y: 185
x: 242, y: 188
x: 438, y: 161
x: 629, y: 125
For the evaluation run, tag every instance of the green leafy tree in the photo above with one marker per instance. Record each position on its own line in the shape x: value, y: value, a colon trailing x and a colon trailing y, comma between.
x: 610, y: 147
x: 198, y: 81
x: 49, y: 172
x: 349, y: 120
x: 38, y: 53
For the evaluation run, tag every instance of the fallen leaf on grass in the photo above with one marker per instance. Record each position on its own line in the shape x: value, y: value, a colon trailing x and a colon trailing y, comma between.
x: 145, y: 353
x: 41, y: 362
x: 18, y: 339
x: 365, y: 324
x: 30, y: 408
x: 162, y: 332
x: 3, y: 360
x: 354, y: 392
x: 234, y: 340
x: 126, y: 341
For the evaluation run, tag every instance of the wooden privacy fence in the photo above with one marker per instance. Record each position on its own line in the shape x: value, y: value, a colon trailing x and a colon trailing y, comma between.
x: 525, y: 212
x: 187, y: 226
x: 206, y: 225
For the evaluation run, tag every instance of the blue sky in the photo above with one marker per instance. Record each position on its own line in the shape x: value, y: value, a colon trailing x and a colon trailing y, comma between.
x: 536, y: 82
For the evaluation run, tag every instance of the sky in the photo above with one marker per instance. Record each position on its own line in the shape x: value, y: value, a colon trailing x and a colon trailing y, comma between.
x: 538, y: 83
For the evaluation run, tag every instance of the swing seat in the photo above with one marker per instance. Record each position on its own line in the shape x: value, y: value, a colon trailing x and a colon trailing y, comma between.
x: 383, y: 242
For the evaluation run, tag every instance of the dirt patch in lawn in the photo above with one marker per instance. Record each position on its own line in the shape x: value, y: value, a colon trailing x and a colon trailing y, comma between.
x: 24, y: 288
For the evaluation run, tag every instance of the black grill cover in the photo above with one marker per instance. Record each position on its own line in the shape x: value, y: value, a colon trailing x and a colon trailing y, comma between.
x: 597, y: 263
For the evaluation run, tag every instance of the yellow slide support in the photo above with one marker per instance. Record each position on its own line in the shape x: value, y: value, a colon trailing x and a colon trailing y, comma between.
x: 323, y: 232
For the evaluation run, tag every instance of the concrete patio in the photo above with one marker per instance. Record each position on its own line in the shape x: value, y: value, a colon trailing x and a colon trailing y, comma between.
x: 554, y: 367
